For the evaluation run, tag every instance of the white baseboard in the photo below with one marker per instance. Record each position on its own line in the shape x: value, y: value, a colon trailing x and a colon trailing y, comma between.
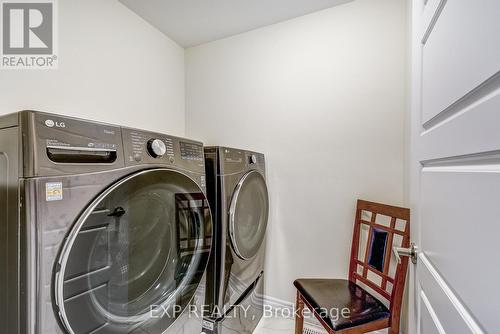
x: 277, y: 304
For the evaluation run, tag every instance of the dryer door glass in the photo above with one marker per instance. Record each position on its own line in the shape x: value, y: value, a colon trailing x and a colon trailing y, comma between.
x: 134, y: 260
x: 248, y: 215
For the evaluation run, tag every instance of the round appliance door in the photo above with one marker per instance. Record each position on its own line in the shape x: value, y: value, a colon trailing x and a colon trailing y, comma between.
x: 248, y: 214
x: 135, y: 257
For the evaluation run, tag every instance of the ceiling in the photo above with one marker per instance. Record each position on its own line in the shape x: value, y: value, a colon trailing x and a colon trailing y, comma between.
x: 194, y: 22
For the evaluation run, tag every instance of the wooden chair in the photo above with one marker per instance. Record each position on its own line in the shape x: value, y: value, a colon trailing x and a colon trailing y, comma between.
x: 374, y: 291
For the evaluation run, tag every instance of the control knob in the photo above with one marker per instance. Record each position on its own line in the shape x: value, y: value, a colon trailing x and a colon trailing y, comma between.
x: 156, y: 148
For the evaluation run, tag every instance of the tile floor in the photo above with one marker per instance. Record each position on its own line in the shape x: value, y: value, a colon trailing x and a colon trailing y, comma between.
x: 281, y: 326
x: 275, y: 326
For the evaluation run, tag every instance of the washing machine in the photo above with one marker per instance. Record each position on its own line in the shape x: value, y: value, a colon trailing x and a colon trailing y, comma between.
x: 237, y: 192
x: 103, y: 230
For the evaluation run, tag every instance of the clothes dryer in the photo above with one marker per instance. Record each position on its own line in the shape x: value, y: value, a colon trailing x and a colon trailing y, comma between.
x: 237, y: 192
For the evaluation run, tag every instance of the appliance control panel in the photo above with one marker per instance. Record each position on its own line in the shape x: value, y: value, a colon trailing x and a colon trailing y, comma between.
x: 237, y: 161
x: 191, y: 151
x: 67, y: 145
x: 144, y: 147
x: 141, y: 147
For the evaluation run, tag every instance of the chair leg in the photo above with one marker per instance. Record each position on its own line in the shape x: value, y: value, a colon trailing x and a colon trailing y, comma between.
x: 393, y: 330
x: 299, y: 317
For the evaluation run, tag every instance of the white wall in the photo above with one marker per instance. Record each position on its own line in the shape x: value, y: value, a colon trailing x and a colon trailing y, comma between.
x: 113, y: 67
x: 323, y: 96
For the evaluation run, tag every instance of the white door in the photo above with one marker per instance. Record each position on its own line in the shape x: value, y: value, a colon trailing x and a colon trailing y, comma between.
x: 455, y: 166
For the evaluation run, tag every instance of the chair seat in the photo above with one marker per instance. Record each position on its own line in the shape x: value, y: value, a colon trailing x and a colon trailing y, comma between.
x: 324, y: 295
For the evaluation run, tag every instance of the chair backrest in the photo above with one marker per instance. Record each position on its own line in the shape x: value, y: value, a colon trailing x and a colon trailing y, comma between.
x: 377, y: 229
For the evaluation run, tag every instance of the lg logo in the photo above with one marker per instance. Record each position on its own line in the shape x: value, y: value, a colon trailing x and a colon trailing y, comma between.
x: 50, y: 123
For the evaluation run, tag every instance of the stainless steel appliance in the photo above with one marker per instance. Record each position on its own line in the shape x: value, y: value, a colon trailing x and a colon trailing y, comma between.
x: 237, y: 192
x: 103, y: 229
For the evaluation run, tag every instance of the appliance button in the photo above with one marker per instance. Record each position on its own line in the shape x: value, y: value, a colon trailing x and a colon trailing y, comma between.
x: 252, y: 159
x: 156, y: 148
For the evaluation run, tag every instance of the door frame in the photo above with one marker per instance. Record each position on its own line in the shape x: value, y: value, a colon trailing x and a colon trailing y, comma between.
x: 414, y: 168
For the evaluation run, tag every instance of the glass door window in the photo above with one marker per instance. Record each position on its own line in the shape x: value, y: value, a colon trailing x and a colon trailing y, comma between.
x: 248, y: 215
x: 135, y: 257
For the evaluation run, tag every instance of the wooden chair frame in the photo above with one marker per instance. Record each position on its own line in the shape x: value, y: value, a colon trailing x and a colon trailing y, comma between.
x: 395, y: 296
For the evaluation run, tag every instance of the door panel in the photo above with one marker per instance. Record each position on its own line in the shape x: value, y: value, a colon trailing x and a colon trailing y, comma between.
x: 455, y: 166
x: 459, y: 209
x: 429, y: 323
x: 474, y: 130
x: 461, y: 53
x: 447, y: 312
